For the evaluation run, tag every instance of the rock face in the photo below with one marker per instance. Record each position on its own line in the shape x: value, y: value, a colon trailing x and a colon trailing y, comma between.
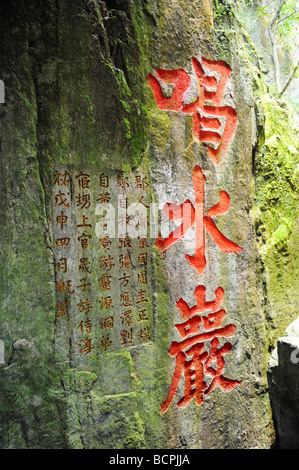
x: 88, y: 325
x: 283, y: 387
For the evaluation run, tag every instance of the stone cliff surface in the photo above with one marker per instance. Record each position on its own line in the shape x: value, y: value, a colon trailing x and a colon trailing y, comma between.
x: 77, y: 99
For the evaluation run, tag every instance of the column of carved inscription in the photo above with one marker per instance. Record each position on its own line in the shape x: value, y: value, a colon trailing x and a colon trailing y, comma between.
x: 62, y: 242
x: 105, y: 264
x: 144, y: 332
x: 125, y: 266
x: 84, y: 239
x: 214, y: 124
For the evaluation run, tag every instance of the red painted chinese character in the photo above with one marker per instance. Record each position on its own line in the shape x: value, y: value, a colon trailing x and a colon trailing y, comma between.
x: 85, y: 324
x: 126, y: 336
x: 106, y: 323
x: 104, y: 180
x: 84, y: 266
x: 191, y: 215
x: 86, y: 347
x: 105, y: 282
x: 104, y: 198
x: 213, y: 124
x: 61, y: 220
x: 61, y: 199
x: 84, y: 240
x: 62, y: 241
x: 105, y: 303
x: 83, y: 201
x: 84, y: 284
x: 62, y: 179
x: 126, y: 318
x: 64, y: 287
x: 62, y: 265
x: 125, y: 261
x: 106, y: 262
x: 122, y: 182
x: 62, y: 309
x: 84, y: 306
x: 104, y: 242
x: 192, y: 361
x: 144, y: 334
x: 106, y: 342
x: 83, y: 180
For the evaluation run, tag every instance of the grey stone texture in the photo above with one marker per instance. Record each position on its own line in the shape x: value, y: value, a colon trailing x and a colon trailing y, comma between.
x: 76, y: 95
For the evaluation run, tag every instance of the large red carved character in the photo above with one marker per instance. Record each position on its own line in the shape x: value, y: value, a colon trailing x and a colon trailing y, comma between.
x: 213, y: 124
x: 195, y: 214
x: 192, y: 361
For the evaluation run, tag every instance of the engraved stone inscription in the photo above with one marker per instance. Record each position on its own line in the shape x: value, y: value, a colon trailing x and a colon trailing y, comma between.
x: 102, y: 261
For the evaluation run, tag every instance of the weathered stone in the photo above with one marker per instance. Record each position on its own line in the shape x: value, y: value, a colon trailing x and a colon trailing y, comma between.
x: 77, y: 98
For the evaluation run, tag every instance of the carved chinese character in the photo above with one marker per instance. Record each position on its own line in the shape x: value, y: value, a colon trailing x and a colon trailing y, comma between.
x: 214, y: 125
x: 142, y: 277
x: 84, y: 240
x: 104, y: 198
x: 125, y: 299
x: 64, y: 287
x: 142, y: 316
x: 61, y: 219
x: 142, y: 259
x: 85, y: 324
x: 122, y: 201
x: 61, y: 199
x: 140, y: 222
x: 84, y: 284
x: 84, y: 306
x: 62, y: 308
x: 123, y: 220
x: 125, y: 279
x: 62, y: 241
x: 106, y: 342
x: 192, y: 361
x: 122, y: 181
x: 106, y: 262
x: 125, y: 242
x: 84, y: 265
x: 142, y: 243
x: 104, y: 282
x: 62, y: 179
x: 105, y: 303
x: 141, y: 297
x: 62, y: 265
x: 83, y: 180
x: 106, y: 323
x: 83, y: 201
x: 105, y: 242
x: 124, y: 261
x: 126, y: 337
x: 196, y: 215
x: 144, y: 334
x: 126, y: 318
x: 141, y: 182
x: 86, y: 347
x: 104, y: 180
x: 84, y: 218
